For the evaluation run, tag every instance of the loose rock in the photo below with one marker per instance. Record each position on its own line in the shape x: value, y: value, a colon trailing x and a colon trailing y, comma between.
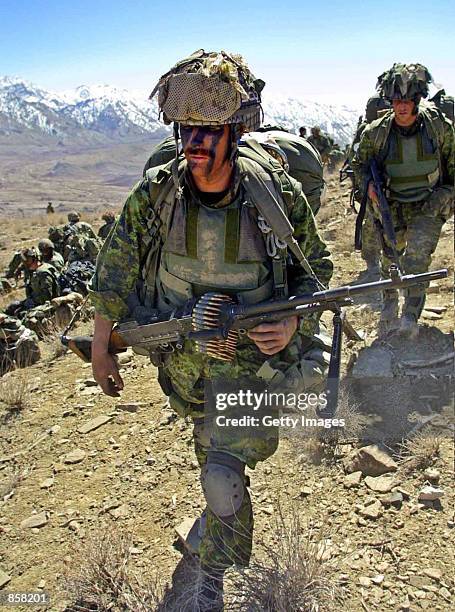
x: 93, y: 424
x: 432, y: 475
x: 433, y: 573
x: 4, y: 578
x: 352, y: 480
x: 75, y: 456
x: 381, y: 484
x: 47, y: 483
x: 430, y: 493
x: 373, y: 511
x: 371, y: 461
x: 393, y: 499
x: 36, y: 520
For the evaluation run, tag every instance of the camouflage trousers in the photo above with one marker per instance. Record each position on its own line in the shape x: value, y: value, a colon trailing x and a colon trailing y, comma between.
x: 371, y: 243
x: 228, y: 543
x: 417, y: 233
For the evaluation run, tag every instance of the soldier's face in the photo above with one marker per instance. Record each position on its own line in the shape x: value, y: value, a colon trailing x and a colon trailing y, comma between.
x: 206, y: 148
x: 404, y: 112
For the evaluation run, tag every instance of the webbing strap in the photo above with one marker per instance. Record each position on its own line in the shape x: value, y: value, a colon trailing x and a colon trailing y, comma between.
x: 232, y: 235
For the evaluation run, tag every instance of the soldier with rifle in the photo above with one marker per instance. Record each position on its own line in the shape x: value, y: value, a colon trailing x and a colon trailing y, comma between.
x: 207, y: 224
x: 410, y: 150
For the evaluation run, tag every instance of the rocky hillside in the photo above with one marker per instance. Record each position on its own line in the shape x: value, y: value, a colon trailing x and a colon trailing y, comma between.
x: 77, y: 467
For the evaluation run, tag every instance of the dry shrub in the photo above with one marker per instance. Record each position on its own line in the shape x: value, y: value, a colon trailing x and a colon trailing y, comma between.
x: 294, y: 574
x: 11, y: 479
x: 419, y: 452
x: 15, y: 393
x: 320, y: 444
x: 100, y: 577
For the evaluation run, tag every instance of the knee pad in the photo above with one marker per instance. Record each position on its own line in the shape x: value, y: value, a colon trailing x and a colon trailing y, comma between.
x: 223, y: 483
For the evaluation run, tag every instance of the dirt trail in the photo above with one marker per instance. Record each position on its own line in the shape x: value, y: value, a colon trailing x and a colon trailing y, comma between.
x: 138, y: 471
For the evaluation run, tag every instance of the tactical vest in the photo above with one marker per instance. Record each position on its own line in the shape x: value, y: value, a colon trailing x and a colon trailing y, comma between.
x: 380, y: 131
x: 194, y: 248
x: 411, y: 166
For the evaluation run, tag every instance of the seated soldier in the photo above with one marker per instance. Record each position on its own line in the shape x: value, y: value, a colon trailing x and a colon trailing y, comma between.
x: 41, y: 286
x: 49, y: 255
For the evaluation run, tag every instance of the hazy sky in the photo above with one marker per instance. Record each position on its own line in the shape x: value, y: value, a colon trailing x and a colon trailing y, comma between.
x: 327, y: 50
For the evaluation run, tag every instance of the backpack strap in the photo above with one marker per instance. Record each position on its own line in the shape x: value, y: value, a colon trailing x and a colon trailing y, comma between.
x: 269, y: 202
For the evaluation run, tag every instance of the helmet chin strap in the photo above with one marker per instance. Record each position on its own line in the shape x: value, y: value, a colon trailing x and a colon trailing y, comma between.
x: 175, y: 163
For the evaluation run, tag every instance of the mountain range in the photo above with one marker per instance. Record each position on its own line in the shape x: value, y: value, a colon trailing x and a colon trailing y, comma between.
x: 100, y: 113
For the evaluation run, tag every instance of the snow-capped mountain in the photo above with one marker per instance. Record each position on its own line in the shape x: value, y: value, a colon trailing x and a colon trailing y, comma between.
x: 102, y: 111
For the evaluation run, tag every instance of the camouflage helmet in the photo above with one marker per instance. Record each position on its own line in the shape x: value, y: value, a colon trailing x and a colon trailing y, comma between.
x: 29, y: 253
x: 315, y: 129
x: 108, y: 216
x: 404, y: 82
x: 73, y: 216
x: 55, y: 233
x: 210, y: 88
x: 374, y: 105
x: 45, y: 244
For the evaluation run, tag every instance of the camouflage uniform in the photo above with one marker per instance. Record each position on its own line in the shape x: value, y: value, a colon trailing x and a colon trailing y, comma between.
x: 18, y: 344
x: 210, y: 246
x: 418, y: 165
x: 321, y: 142
x: 104, y: 230
x: 42, y: 286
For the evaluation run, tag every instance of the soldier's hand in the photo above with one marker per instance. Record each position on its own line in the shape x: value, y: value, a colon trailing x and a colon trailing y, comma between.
x: 272, y: 338
x: 106, y: 373
x: 372, y: 195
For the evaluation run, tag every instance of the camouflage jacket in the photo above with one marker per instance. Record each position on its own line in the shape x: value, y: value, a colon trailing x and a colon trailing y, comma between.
x: 43, y: 285
x: 320, y: 143
x: 374, y: 144
x: 105, y: 229
x: 120, y: 260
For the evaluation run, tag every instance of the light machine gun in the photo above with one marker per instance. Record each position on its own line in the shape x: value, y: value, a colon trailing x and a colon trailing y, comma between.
x: 214, y: 322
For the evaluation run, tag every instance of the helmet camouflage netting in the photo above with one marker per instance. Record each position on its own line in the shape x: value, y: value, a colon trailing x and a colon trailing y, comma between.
x: 210, y: 88
x: 405, y: 82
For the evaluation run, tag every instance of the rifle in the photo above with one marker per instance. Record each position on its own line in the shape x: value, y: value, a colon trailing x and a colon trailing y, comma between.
x: 384, y: 209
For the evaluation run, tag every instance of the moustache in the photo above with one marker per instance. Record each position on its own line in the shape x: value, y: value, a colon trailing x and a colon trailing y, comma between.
x: 199, y: 151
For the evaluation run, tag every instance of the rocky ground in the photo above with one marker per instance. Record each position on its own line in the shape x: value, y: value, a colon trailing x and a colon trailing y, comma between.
x: 75, y: 463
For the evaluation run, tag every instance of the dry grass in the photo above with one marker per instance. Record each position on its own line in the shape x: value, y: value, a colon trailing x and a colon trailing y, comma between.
x: 11, y: 479
x: 293, y: 574
x: 419, y: 452
x: 100, y: 577
x: 321, y: 445
x: 15, y: 394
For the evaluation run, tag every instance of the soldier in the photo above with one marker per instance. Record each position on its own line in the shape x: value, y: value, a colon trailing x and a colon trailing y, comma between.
x: 50, y: 209
x: 49, y: 255
x: 80, y: 241
x: 15, y: 266
x: 56, y: 236
x: 321, y: 142
x: 302, y: 131
x: 18, y: 344
x: 109, y: 220
x: 413, y: 144
x: 213, y: 242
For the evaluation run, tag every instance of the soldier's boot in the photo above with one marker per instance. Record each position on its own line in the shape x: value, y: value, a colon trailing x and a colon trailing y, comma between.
x: 413, y: 306
x: 210, y: 595
x: 389, y: 312
x: 409, y: 326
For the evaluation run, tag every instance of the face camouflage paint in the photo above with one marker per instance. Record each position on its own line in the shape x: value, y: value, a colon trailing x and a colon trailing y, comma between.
x: 201, y: 142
